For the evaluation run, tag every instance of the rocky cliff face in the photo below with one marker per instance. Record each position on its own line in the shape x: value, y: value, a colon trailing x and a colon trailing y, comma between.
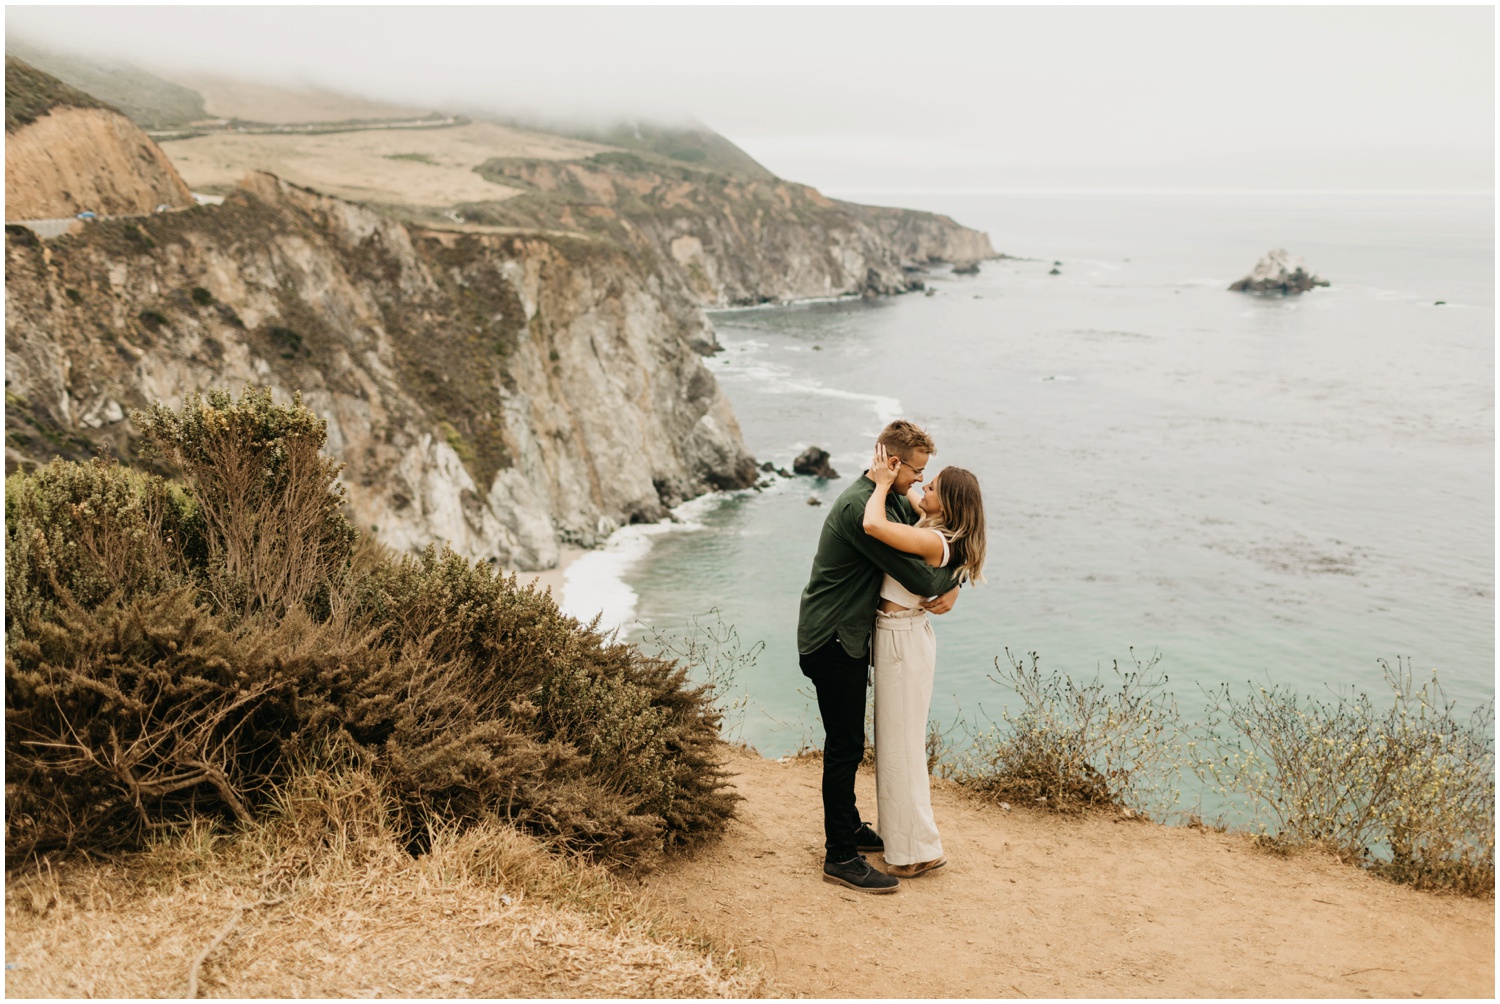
x: 505, y: 393
x: 63, y: 157
x: 732, y: 240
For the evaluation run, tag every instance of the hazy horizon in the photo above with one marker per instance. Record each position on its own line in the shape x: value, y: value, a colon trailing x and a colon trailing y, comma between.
x: 892, y: 100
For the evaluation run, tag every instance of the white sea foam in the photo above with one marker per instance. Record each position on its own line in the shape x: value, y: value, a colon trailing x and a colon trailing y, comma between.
x: 778, y: 379
x: 595, y: 582
x: 783, y: 304
x: 887, y: 409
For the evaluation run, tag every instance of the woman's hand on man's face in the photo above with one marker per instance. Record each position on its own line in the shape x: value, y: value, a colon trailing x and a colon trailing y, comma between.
x: 884, y: 466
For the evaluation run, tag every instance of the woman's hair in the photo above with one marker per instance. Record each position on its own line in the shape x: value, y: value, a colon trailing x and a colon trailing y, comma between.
x: 962, y: 521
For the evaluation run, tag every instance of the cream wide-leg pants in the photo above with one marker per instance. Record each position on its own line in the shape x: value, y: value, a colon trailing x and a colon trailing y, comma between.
x: 904, y: 656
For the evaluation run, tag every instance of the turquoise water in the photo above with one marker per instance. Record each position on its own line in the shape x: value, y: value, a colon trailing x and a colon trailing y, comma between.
x: 1252, y: 489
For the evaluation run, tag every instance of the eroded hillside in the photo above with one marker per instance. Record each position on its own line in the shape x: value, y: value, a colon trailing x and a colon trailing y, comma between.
x: 66, y: 152
x: 734, y: 240
x: 503, y: 392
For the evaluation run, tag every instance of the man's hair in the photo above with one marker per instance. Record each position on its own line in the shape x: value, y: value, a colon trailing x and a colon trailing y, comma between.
x: 904, y: 438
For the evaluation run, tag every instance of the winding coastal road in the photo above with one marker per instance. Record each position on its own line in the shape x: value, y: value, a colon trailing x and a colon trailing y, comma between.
x: 47, y: 229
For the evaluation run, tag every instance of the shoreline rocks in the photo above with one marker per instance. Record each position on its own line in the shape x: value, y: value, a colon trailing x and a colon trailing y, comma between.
x: 1278, y: 272
x: 814, y: 461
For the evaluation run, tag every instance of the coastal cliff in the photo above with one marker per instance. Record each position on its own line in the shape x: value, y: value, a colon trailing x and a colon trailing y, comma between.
x: 506, y: 393
x: 66, y: 152
x: 509, y: 375
x: 734, y: 240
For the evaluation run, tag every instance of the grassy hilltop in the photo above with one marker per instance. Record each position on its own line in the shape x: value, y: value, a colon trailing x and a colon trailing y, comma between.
x: 30, y: 94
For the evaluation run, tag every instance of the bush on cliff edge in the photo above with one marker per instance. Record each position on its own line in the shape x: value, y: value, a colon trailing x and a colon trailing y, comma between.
x: 182, y: 649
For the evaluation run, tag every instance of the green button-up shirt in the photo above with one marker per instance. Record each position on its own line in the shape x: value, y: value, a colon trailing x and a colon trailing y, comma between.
x: 844, y: 590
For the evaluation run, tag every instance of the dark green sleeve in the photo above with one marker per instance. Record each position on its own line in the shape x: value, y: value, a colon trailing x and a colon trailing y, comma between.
x: 907, y: 569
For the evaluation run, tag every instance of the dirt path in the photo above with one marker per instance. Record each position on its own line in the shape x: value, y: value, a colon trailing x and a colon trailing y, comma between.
x: 1041, y: 906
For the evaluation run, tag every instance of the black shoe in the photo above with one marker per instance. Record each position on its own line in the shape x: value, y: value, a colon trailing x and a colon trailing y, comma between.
x: 857, y: 874
x: 866, y: 839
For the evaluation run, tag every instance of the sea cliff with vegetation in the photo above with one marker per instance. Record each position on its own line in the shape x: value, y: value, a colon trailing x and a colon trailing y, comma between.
x: 508, y: 375
x: 504, y: 393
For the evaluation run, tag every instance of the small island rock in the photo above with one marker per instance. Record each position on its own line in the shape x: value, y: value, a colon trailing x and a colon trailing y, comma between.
x: 1278, y: 272
x: 814, y: 461
x: 966, y: 268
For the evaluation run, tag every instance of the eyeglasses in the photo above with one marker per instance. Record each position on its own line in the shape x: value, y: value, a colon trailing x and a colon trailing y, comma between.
x: 915, y: 470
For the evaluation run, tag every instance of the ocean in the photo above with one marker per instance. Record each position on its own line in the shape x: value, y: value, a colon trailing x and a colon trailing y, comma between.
x: 1249, y: 490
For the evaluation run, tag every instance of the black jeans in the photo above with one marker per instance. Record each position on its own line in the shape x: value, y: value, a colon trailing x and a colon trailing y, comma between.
x: 840, y: 680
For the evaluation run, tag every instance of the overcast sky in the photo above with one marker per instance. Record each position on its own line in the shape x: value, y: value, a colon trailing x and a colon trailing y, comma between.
x: 910, y: 98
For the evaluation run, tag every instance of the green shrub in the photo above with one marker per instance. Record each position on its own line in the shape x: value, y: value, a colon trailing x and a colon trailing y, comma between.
x: 22, y: 235
x: 138, y: 236
x: 715, y: 657
x: 289, y: 340
x: 83, y: 532
x: 1407, y: 789
x: 628, y: 162
x: 183, y: 651
x: 30, y: 94
x: 601, y: 745
x: 270, y: 502
x: 460, y: 446
x: 418, y: 158
x: 202, y: 297
x: 1077, y: 745
x: 117, y: 718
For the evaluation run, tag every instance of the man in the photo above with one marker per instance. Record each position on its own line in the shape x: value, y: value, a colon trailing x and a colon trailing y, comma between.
x: 833, y: 642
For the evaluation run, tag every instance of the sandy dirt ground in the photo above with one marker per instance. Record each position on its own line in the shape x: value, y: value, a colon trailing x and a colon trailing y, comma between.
x: 1033, y: 905
x: 373, y: 165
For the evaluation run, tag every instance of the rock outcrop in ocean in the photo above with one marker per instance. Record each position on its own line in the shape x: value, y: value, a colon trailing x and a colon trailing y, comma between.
x: 814, y: 461
x: 1278, y: 272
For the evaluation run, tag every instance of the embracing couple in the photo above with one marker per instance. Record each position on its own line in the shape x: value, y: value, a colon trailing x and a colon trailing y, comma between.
x: 892, y: 551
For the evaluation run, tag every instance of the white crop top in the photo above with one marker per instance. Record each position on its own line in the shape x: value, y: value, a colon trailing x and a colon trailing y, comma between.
x: 894, y: 591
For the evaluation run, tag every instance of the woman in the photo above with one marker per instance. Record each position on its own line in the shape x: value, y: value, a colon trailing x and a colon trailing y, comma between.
x: 951, y: 535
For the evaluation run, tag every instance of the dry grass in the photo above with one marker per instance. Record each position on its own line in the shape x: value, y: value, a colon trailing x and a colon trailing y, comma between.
x: 358, y: 165
x: 488, y: 912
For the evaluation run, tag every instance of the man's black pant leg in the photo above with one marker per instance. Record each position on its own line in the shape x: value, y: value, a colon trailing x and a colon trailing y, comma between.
x: 840, y: 680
